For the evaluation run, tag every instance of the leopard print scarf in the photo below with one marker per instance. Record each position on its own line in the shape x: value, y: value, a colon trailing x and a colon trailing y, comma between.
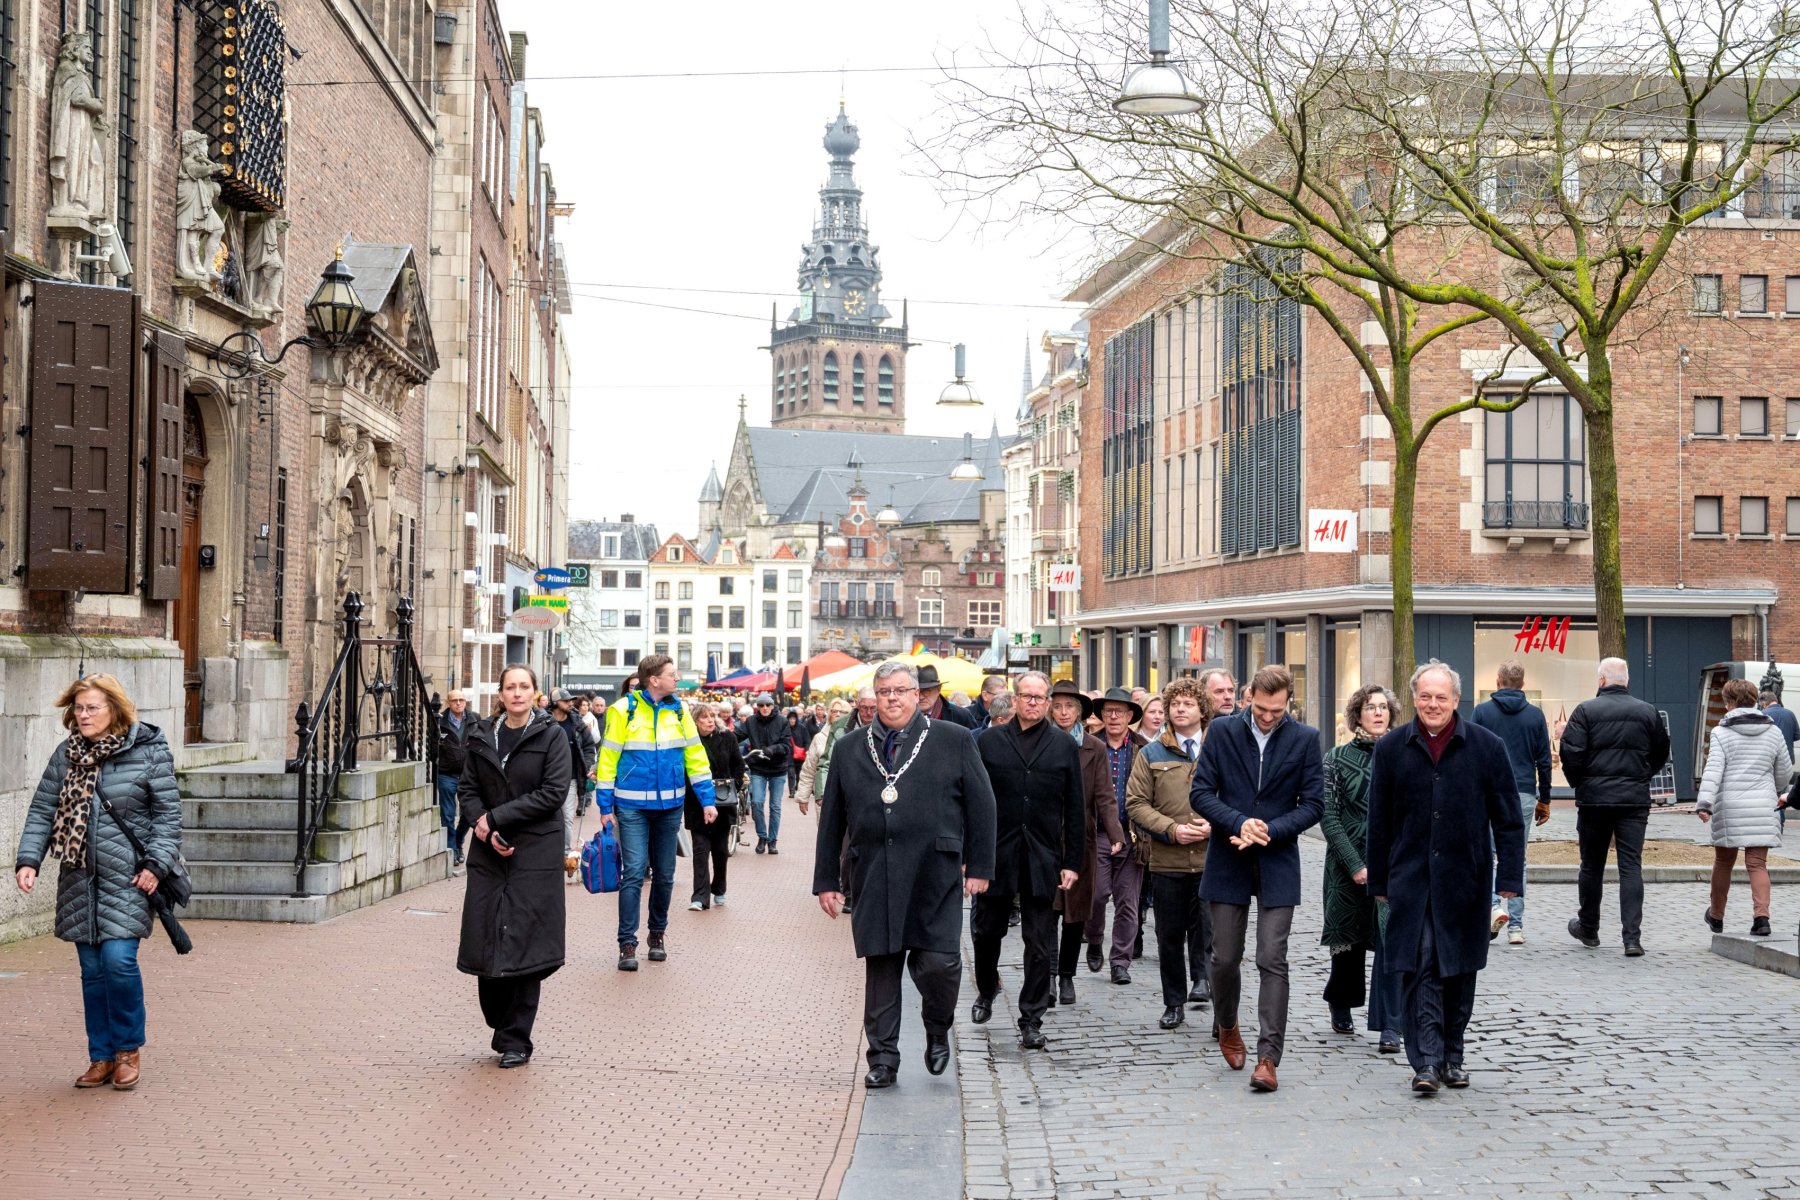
x: 68, y: 837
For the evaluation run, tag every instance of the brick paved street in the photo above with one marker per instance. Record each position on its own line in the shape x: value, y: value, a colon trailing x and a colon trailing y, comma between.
x: 349, y: 1059
x: 1675, y: 1073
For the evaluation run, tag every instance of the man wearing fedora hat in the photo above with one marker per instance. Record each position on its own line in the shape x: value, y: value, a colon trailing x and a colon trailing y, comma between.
x: 1101, y: 833
x: 933, y: 704
x: 1120, y: 876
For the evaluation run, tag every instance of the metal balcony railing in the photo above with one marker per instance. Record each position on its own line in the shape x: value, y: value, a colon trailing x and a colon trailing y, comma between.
x: 1534, y: 514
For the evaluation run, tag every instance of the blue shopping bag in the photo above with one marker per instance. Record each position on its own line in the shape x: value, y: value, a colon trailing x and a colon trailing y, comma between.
x: 600, y: 862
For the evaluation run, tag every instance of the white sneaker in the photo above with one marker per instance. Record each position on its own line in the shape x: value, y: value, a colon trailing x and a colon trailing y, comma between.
x: 1497, y: 924
x: 719, y: 899
x: 695, y: 906
x: 1516, y: 938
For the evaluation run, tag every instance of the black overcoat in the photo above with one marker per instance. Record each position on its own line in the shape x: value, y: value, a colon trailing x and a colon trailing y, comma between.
x: 907, y: 858
x: 1282, y: 786
x: 1038, y: 806
x: 513, y: 911
x: 1429, y: 825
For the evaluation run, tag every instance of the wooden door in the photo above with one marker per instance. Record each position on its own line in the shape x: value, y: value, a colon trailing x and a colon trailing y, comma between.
x: 187, y: 605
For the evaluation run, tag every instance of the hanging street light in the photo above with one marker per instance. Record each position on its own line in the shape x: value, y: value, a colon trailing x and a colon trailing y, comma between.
x: 959, y: 392
x: 834, y: 539
x: 335, y: 311
x: 889, y: 516
x: 966, y: 471
x: 1156, y: 89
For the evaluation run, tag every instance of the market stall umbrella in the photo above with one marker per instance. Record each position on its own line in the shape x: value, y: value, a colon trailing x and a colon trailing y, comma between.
x: 847, y: 680
x: 749, y: 683
x: 818, y: 667
x: 956, y: 674
x: 712, y: 669
x: 687, y: 685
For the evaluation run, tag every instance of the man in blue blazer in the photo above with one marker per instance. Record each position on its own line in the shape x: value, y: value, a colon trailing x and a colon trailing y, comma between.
x: 1441, y: 791
x: 1261, y: 783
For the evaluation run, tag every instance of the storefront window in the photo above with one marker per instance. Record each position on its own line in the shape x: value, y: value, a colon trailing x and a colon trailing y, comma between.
x: 1346, y: 674
x: 1561, y: 662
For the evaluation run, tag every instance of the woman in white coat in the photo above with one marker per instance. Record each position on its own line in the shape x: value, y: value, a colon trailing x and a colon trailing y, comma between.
x: 1747, y: 768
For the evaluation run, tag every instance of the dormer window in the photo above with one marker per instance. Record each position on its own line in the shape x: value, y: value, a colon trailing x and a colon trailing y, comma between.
x: 674, y: 554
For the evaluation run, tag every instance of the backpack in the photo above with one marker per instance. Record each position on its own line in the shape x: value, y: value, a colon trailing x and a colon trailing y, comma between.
x: 600, y: 862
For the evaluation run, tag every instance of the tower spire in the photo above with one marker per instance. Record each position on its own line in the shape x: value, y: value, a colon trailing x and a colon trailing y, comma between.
x: 839, y: 270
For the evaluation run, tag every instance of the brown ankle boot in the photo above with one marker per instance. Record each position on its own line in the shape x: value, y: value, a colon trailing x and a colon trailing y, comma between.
x: 96, y: 1075
x: 125, y: 1074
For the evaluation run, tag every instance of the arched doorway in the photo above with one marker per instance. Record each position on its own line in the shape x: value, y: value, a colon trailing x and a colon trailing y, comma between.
x: 187, y: 605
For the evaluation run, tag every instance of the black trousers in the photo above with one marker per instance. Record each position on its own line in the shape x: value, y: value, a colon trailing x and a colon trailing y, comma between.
x: 1438, y: 1008
x: 937, y: 975
x: 711, y: 852
x: 1598, y: 830
x: 509, y: 1006
x: 1068, y: 950
x: 1037, y: 925
x: 1183, y: 934
x: 1345, y: 987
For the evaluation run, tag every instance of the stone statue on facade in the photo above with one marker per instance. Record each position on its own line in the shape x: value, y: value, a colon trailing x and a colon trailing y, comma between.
x: 78, y: 132
x: 199, y: 229
x: 267, y: 269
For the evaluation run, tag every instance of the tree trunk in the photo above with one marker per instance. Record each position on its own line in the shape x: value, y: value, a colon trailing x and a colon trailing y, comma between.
x: 1400, y: 561
x: 1609, y: 576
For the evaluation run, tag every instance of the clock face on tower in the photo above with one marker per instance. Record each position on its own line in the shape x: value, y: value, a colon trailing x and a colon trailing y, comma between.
x: 855, y: 303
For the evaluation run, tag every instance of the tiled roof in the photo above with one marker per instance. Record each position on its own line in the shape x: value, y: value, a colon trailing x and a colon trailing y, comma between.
x: 807, y: 473
x: 637, y: 539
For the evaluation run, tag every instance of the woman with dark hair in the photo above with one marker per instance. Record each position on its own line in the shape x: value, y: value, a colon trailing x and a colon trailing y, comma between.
x: 712, y: 835
x: 111, y: 775
x: 1352, y: 918
x: 512, y: 793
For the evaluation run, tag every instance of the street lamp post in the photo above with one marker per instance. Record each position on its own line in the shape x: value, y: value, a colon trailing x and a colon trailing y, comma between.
x: 1156, y: 89
x: 335, y: 311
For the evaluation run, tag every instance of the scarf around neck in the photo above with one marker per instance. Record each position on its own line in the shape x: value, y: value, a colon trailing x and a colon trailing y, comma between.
x: 69, y: 832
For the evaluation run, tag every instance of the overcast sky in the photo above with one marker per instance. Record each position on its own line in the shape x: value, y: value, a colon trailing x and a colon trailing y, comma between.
x: 711, y: 183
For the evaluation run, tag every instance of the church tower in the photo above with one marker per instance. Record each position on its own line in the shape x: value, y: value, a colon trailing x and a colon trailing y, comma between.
x: 836, y: 364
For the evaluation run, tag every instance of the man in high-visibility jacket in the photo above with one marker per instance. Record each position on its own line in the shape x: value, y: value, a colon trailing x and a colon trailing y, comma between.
x: 650, y: 754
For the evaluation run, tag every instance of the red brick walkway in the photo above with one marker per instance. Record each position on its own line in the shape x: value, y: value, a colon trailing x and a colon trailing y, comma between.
x: 349, y: 1059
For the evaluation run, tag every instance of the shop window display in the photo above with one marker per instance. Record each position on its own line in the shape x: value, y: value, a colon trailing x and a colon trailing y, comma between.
x: 1561, y: 660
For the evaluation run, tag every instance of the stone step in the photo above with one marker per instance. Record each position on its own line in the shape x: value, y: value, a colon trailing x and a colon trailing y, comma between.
x: 196, y: 755
x: 255, y: 906
x: 237, y: 813
x: 213, y: 877
x: 1780, y: 953
x: 214, y: 844
x: 264, y: 779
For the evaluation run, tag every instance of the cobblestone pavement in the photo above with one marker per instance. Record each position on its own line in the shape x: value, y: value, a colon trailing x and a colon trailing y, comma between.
x: 1673, y: 1074
x: 349, y: 1060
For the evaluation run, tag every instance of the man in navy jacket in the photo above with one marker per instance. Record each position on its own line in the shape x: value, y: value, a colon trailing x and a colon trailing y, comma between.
x: 1260, y: 782
x: 1440, y: 788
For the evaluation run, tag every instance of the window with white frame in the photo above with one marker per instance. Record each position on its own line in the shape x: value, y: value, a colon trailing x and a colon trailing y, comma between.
x: 931, y: 577
x: 931, y: 611
x: 984, y: 613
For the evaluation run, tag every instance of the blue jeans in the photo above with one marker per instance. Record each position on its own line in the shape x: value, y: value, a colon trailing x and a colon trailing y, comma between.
x: 770, y: 786
x: 646, y: 840
x: 112, y: 997
x: 449, y: 812
x: 1515, y: 908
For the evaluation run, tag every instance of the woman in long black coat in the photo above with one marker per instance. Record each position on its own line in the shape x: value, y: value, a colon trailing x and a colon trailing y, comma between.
x: 713, y: 835
x: 512, y: 793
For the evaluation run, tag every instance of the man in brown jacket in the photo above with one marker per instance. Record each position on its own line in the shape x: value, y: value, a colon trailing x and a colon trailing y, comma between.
x: 1156, y: 801
x: 1068, y: 710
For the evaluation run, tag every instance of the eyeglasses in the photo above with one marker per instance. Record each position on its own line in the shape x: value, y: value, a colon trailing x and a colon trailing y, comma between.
x: 894, y: 693
x: 90, y: 710
x: 1023, y: 697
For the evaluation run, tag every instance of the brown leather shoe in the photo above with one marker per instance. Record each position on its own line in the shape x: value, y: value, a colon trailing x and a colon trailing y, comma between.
x: 96, y: 1075
x: 1231, y: 1045
x: 1263, y: 1078
x: 125, y: 1074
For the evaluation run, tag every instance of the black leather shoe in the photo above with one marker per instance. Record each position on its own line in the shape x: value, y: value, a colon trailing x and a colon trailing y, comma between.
x: 1201, y: 993
x: 1065, y: 989
x: 879, y: 1077
x: 1121, y: 975
x: 1172, y: 1018
x: 1716, y: 924
x: 1634, y: 949
x: 937, y: 1052
x: 1031, y: 1037
x: 762, y: 847
x: 1425, y: 1083
x: 1453, y: 1077
x: 981, y: 1010
x: 514, y: 1058
x: 627, y: 956
x: 1590, y: 940
x: 659, y: 949
x: 1759, y: 927
x: 1095, y: 959
x: 1389, y: 1047
x: 772, y: 849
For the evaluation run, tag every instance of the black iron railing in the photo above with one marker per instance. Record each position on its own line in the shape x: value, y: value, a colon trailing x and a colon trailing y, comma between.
x: 375, y: 693
x: 1534, y: 514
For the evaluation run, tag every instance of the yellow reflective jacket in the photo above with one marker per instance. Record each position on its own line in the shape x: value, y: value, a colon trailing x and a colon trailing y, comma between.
x: 649, y: 753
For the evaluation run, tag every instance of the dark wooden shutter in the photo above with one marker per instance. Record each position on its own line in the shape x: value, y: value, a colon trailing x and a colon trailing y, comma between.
x: 80, y: 453
x: 167, y: 382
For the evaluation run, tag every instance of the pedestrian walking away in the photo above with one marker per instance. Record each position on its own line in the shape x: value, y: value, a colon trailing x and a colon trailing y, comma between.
x: 1120, y: 876
x: 1101, y: 833
x: 915, y: 799
x: 1611, y: 748
x: 1789, y: 726
x: 650, y: 755
x: 1510, y: 715
x: 1744, y: 783
x: 111, y: 780
x: 512, y: 793
x: 1035, y: 772
x: 1353, y: 918
x: 454, y: 724
x: 1158, y: 800
x: 584, y: 753
x: 1441, y: 790
x: 713, y: 826
x: 1258, y: 783
x: 769, y: 748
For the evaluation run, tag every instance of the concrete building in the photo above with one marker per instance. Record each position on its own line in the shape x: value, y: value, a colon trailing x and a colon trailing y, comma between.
x: 1043, y: 530
x: 700, y: 603
x: 608, y: 628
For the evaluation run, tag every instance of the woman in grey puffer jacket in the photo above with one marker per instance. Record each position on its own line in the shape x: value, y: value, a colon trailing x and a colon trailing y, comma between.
x: 103, y: 890
x: 1747, y: 766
